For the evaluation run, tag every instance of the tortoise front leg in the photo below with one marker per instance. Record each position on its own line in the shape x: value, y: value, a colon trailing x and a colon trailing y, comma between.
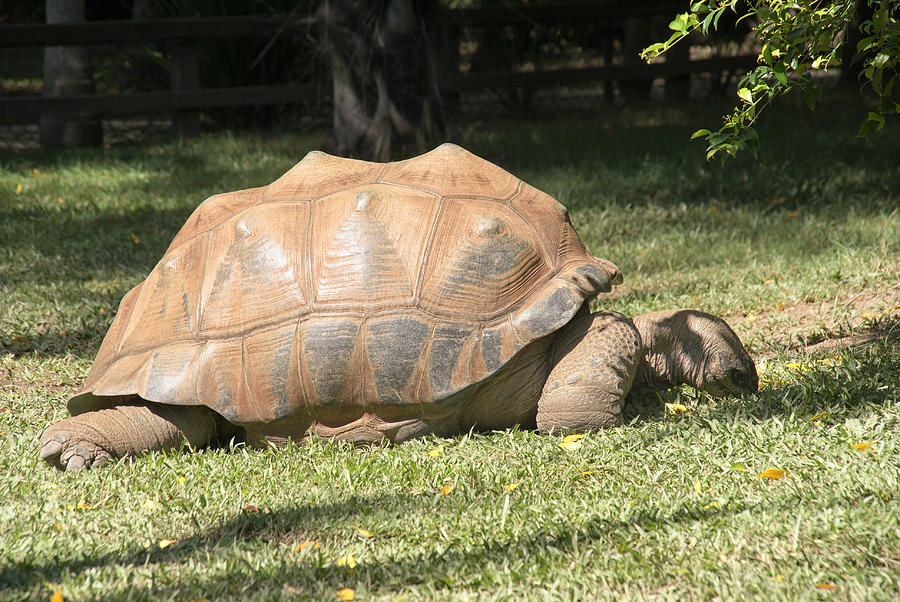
x: 93, y: 438
x: 593, y: 364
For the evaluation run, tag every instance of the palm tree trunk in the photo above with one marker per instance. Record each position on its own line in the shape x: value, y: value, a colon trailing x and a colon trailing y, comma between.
x: 384, y: 77
x: 67, y: 70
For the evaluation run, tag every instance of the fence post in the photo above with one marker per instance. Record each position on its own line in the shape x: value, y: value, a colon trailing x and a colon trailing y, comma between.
x: 184, y: 74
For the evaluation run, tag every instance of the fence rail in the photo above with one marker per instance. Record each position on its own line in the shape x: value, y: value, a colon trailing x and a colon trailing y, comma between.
x: 186, y: 96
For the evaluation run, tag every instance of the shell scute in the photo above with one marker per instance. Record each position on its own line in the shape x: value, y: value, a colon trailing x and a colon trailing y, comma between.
x: 327, y: 346
x: 319, y: 174
x: 369, y: 252
x: 395, y: 343
x: 480, y: 262
x: 254, y: 271
x: 450, y: 170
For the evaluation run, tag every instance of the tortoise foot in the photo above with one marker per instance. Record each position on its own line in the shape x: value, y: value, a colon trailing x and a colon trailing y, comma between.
x: 67, y: 445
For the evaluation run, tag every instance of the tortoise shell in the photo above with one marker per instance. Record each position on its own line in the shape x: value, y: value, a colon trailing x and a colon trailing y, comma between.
x: 347, y: 283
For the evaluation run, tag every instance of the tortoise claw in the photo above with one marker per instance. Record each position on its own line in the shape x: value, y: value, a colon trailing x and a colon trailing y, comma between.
x: 64, y: 448
x: 50, y: 449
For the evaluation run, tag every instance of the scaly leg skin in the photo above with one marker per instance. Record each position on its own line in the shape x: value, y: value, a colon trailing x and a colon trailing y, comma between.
x: 93, y: 438
x: 686, y: 346
x: 593, y: 365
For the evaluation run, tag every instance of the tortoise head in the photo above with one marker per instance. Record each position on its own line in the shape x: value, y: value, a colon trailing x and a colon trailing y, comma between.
x: 729, y: 371
x: 696, y: 348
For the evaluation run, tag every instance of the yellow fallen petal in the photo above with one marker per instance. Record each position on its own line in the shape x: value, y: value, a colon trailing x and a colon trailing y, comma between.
x: 568, y: 438
x: 135, y: 238
x: 179, y: 480
x: 70, y: 507
x: 779, y: 578
x: 794, y: 365
x: 774, y: 474
x: 165, y: 543
x: 446, y: 489
x: 306, y: 544
x: 348, y: 561
x: 346, y: 594
x: 19, y: 189
x: 677, y: 408
x: 820, y: 415
x: 511, y: 486
x: 36, y: 173
x: 585, y: 473
x: 83, y: 506
x: 698, y: 487
x: 57, y: 595
x: 570, y: 445
x: 826, y: 586
x: 364, y: 532
x: 434, y: 453
x: 862, y: 446
x: 832, y: 360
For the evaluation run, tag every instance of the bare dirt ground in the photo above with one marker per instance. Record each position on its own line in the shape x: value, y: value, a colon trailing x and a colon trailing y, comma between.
x: 812, y: 327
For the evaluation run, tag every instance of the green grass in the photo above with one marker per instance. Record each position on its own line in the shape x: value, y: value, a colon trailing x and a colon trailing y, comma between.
x: 669, y: 506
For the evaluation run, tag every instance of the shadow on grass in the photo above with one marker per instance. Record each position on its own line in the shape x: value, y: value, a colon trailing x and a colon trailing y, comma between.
x: 456, y: 566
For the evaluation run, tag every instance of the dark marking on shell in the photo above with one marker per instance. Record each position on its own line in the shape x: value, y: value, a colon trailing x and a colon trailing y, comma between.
x: 394, y: 347
x: 492, y: 350
x: 327, y: 348
x: 445, y: 351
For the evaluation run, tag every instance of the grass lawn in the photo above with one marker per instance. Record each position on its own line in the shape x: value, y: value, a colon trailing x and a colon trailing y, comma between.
x: 795, y: 254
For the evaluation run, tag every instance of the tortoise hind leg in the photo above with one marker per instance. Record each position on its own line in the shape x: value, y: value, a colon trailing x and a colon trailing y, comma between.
x: 593, y: 365
x: 93, y: 438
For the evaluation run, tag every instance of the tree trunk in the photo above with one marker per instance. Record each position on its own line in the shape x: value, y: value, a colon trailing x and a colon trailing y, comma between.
x: 384, y: 77
x: 67, y: 70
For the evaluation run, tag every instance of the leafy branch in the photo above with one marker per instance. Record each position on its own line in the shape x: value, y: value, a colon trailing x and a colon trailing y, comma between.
x: 797, y: 39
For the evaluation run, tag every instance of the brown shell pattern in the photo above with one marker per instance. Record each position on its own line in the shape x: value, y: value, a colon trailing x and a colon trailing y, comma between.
x: 348, y: 283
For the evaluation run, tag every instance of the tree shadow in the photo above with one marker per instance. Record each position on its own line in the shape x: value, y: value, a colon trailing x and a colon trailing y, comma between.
x: 291, y: 524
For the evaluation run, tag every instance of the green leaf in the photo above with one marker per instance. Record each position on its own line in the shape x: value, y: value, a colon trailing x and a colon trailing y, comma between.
x: 878, y: 119
x: 778, y: 69
x: 704, y: 27
x: 868, y: 127
x: 745, y: 95
x: 700, y: 133
x: 653, y: 50
x: 679, y: 23
x: 810, y: 96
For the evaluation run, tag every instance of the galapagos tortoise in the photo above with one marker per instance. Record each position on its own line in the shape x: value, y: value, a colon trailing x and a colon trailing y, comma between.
x: 364, y: 301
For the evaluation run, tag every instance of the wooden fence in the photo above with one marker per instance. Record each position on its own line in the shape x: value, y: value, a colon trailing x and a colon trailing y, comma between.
x: 185, y: 97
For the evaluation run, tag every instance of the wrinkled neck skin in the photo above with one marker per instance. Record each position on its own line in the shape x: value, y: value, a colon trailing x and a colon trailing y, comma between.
x: 665, y: 361
x: 694, y: 348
